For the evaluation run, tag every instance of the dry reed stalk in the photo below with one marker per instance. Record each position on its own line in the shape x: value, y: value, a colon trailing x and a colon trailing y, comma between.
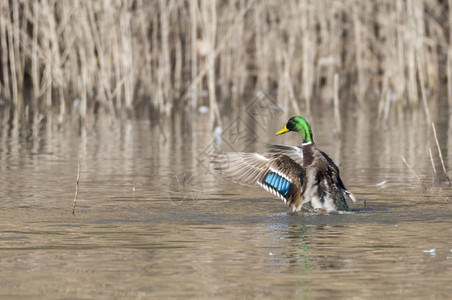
x: 440, y: 153
x: 12, y: 56
x: 400, y: 80
x: 88, y: 48
x: 15, y: 53
x: 111, y: 95
x: 449, y: 63
x: 193, y: 49
x: 288, y: 94
x: 83, y: 80
x: 293, y: 100
x: 18, y: 27
x: 116, y: 58
x: 337, y: 113
x: 210, y: 27
x: 223, y: 42
x: 333, y: 34
x: 165, y: 67
x: 6, y: 88
x: 155, y: 53
x: 412, y: 171
x: 237, y: 53
x: 411, y: 53
x: 127, y: 59
x: 225, y: 74
x: 307, y: 54
x: 281, y: 95
x: 77, y: 181
x: 147, y: 54
x: 35, y: 65
x: 450, y: 22
x: 102, y: 82
x: 359, y: 53
x: 383, y: 111
x: 48, y: 36
x: 260, y: 49
x: 433, y: 163
x: 422, y: 83
x: 449, y: 70
x: 178, y: 68
x: 62, y: 111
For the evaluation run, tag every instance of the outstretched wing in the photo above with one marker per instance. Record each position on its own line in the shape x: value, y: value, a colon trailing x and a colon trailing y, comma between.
x: 276, y: 173
x: 294, y: 152
x: 245, y: 168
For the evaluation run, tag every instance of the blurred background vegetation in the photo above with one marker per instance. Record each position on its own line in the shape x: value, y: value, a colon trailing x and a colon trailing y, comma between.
x: 394, y: 55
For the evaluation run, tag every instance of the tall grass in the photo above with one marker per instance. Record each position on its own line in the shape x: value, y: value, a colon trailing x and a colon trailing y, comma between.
x: 392, y: 53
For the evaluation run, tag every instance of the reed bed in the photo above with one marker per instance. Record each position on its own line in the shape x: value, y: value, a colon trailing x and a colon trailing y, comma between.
x: 390, y: 53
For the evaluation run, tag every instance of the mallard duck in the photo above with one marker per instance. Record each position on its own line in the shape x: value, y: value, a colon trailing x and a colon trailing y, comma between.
x: 304, y: 177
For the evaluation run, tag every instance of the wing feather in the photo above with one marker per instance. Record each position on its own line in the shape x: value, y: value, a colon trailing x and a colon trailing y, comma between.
x: 294, y: 152
x: 253, y: 168
x: 246, y: 168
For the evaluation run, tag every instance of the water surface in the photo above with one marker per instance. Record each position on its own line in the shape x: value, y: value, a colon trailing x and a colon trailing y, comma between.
x: 152, y: 221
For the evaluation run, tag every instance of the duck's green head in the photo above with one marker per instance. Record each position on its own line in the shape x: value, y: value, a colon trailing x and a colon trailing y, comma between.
x: 300, y: 125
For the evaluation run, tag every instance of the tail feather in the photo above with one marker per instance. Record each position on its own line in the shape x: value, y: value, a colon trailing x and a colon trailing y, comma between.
x: 349, y: 195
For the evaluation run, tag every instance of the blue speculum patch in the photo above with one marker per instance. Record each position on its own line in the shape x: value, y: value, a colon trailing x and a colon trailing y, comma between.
x: 278, y: 182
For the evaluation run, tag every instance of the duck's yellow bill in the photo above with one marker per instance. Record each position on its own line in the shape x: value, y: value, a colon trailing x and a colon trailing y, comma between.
x: 284, y: 130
